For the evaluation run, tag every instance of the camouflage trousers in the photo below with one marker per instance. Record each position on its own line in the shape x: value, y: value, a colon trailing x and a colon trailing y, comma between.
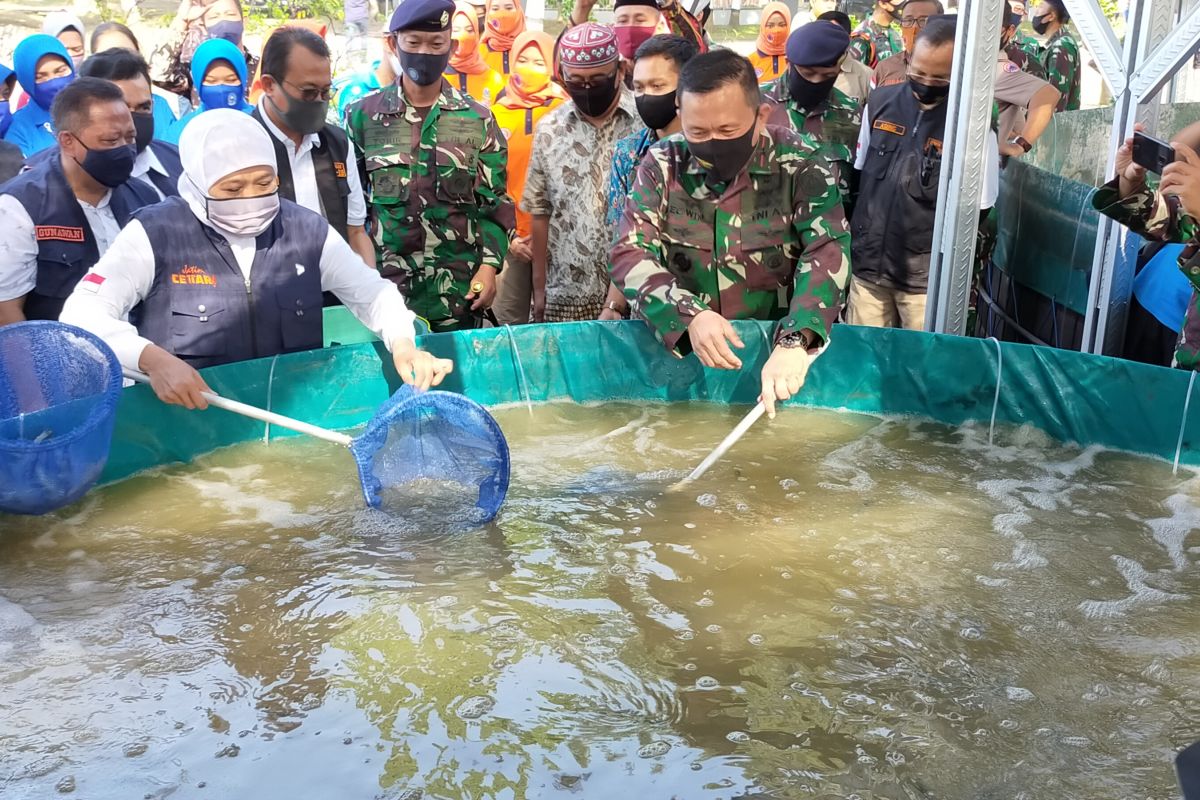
x: 1187, y: 350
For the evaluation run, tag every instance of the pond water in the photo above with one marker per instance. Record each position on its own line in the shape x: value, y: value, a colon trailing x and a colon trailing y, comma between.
x: 845, y: 607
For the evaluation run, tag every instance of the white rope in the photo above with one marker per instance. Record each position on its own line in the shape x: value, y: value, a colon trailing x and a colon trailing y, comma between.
x: 1187, y: 401
x: 996, y: 399
x: 520, y: 369
x: 270, y: 392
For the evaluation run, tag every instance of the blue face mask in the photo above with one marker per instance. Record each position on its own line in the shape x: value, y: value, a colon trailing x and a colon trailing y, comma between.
x: 44, y: 93
x: 228, y: 30
x: 5, y: 117
x: 221, y: 96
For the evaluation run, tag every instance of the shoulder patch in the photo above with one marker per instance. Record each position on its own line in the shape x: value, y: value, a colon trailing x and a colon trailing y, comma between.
x: 1011, y: 67
x: 889, y: 127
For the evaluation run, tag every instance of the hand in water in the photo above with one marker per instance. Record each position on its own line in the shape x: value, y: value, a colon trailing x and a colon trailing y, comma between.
x: 417, y: 368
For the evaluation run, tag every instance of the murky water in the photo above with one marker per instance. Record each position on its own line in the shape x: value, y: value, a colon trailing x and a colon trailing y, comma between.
x: 848, y: 607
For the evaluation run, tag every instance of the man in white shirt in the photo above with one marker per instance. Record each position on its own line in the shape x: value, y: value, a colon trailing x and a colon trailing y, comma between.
x: 315, y: 169
x: 64, y: 212
x: 228, y: 271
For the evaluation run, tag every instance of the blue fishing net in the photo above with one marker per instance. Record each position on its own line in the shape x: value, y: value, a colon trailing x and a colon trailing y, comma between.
x: 433, y: 452
x: 59, y: 388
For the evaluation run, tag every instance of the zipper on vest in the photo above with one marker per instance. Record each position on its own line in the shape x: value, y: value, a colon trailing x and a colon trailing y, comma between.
x: 250, y: 314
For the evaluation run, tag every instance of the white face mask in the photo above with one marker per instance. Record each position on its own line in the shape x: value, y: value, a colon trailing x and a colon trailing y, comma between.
x: 394, y: 60
x: 243, y: 216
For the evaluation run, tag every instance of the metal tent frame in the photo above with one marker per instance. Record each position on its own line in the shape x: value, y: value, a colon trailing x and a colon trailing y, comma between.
x: 1160, y: 38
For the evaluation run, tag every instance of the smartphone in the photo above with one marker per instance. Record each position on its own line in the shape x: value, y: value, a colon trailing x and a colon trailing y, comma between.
x: 1153, y: 154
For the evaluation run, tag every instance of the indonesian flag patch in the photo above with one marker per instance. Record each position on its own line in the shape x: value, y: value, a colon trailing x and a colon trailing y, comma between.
x: 92, y: 282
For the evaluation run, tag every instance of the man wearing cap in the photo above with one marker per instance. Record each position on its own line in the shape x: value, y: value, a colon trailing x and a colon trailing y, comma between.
x: 806, y: 99
x: 635, y: 21
x: 567, y: 182
x: 734, y: 219
x: 435, y: 165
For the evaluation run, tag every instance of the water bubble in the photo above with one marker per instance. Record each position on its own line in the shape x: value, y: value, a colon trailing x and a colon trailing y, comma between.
x: 787, y: 484
x: 713, y: 629
x: 689, y: 525
x: 654, y: 749
x: 707, y: 500
x: 475, y: 707
x: 738, y: 736
x: 972, y: 634
x: 756, y: 639
x: 1018, y: 694
x: 689, y: 667
x: 697, y: 766
x: 1076, y: 741
x: 895, y: 759
x: 707, y: 683
x: 787, y: 576
x: 618, y: 569
x: 685, y: 636
x: 1009, y: 724
x: 704, y: 602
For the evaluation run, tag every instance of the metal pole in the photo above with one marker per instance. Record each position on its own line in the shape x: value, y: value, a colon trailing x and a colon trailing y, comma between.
x: 964, y: 165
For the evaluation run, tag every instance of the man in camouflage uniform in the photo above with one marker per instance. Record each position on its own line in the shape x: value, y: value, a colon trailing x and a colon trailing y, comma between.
x: 1060, y: 56
x: 1163, y: 215
x: 734, y: 219
x: 913, y: 19
x: 806, y: 100
x: 435, y: 163
x: 877, y: 38
x: 1021, y: 48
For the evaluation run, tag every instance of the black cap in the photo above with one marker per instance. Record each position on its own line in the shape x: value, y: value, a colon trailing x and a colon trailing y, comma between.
x: 430, y: 16
x: 817, y: 44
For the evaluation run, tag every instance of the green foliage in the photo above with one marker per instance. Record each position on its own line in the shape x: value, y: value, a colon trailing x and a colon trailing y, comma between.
x: 271, y: 12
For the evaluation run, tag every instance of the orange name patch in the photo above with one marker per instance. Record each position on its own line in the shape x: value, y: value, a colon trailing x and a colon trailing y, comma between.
x: 47, y: 232
x: 935, y: 144
x: 339, y: 169
x: 890, y: 127
x: 193, y: 276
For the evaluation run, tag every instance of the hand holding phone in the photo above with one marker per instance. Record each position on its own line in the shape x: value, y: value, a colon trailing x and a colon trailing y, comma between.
x: 1150, y: 153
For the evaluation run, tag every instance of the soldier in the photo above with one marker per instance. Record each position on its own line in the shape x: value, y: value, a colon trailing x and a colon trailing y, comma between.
x: 1024, y: 104
x: 1021, y: 47
x: 855, y: 80
x: 913, y: 18
x: 807, y: 100
x: 876, y: 38
x: 734, y: 219
x: 435, y: 163
x: 1060, y: 55
x: 1168, y: 215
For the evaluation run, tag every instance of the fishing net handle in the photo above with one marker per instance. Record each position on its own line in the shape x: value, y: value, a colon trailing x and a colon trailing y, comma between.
x: 260, y: 414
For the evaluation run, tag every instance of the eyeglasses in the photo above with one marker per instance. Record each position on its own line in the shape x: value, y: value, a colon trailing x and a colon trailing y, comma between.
x: 928, y: 79
x: 310, y: 94
x: 914, y: 22
x: 588, y: 83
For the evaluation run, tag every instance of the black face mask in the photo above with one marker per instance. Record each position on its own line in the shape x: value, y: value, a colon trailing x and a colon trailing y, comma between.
x: 808, y: 95
x: 424, y: 69
x: 595, y: 100
x: 928, y: 95
x: 110, y: 167
x: 724, y: 158
x: 302, y: 116
x: 143, y: 123
x: 656, y: 110
x: 1040, y: 24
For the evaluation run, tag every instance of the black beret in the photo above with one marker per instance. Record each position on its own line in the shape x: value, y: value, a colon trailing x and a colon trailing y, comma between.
x: 817, y: 44
x: 430, y: 16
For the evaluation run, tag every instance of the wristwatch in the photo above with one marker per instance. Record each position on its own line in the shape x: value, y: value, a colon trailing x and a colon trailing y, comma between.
x: 790, y: 341
x: 1021, y: 142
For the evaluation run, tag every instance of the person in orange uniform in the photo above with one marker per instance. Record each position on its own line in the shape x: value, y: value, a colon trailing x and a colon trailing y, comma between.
x: 770, y: 53
x: 503, y: 23
x: 528, y: 96
x: 468, y: 72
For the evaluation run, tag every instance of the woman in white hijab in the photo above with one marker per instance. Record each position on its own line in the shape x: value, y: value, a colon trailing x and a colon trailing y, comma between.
x: 229, y: 271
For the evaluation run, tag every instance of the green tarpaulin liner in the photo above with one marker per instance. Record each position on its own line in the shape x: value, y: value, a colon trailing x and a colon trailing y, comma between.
x: 1071, y: 396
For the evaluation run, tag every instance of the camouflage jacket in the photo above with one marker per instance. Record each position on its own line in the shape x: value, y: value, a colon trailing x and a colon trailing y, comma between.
x: 834, y: 125
x: 871, y: 43
x: 1060, y: 57
x: 1152, y: 216
x: 1028, y: 60
x: 773, y: 245
x: 437, y: 194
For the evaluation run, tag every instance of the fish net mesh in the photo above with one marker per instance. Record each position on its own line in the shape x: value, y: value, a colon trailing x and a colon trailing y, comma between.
x: 59, y: 388
x: 433, y: 456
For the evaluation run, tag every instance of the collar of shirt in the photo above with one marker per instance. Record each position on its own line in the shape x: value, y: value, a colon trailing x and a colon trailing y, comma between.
x: 310, y: 141
x: 103, y: 203
x: 145, y: 162
x: 626, y: 105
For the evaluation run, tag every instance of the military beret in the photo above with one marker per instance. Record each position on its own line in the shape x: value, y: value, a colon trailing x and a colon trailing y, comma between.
x: 431, y: 16
x: 817, y: 44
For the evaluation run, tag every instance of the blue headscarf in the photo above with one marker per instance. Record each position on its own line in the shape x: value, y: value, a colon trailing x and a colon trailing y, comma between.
x: 220, y: 50
x: 5, y: 110
x: 31, y: 129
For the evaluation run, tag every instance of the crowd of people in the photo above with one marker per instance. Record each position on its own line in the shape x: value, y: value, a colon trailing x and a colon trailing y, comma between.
x: 203, y: 210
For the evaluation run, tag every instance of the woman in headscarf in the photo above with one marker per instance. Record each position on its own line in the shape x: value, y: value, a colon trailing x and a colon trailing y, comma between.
x: 503, y: 23
x: 468, y: 72
x: 528, y: 96
x: 770, y: 52
x: 219, y: 73
x: 195, y: 22
x: 43, y: 68
x: 68, y: 29
x: 228, y: 271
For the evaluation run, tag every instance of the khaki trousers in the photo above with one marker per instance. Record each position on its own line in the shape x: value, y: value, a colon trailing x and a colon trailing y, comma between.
x: 880, y: 307
x: 514, y: 292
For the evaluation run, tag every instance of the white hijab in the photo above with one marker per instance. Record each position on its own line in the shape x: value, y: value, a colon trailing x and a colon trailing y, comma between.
x: 218, y: 143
